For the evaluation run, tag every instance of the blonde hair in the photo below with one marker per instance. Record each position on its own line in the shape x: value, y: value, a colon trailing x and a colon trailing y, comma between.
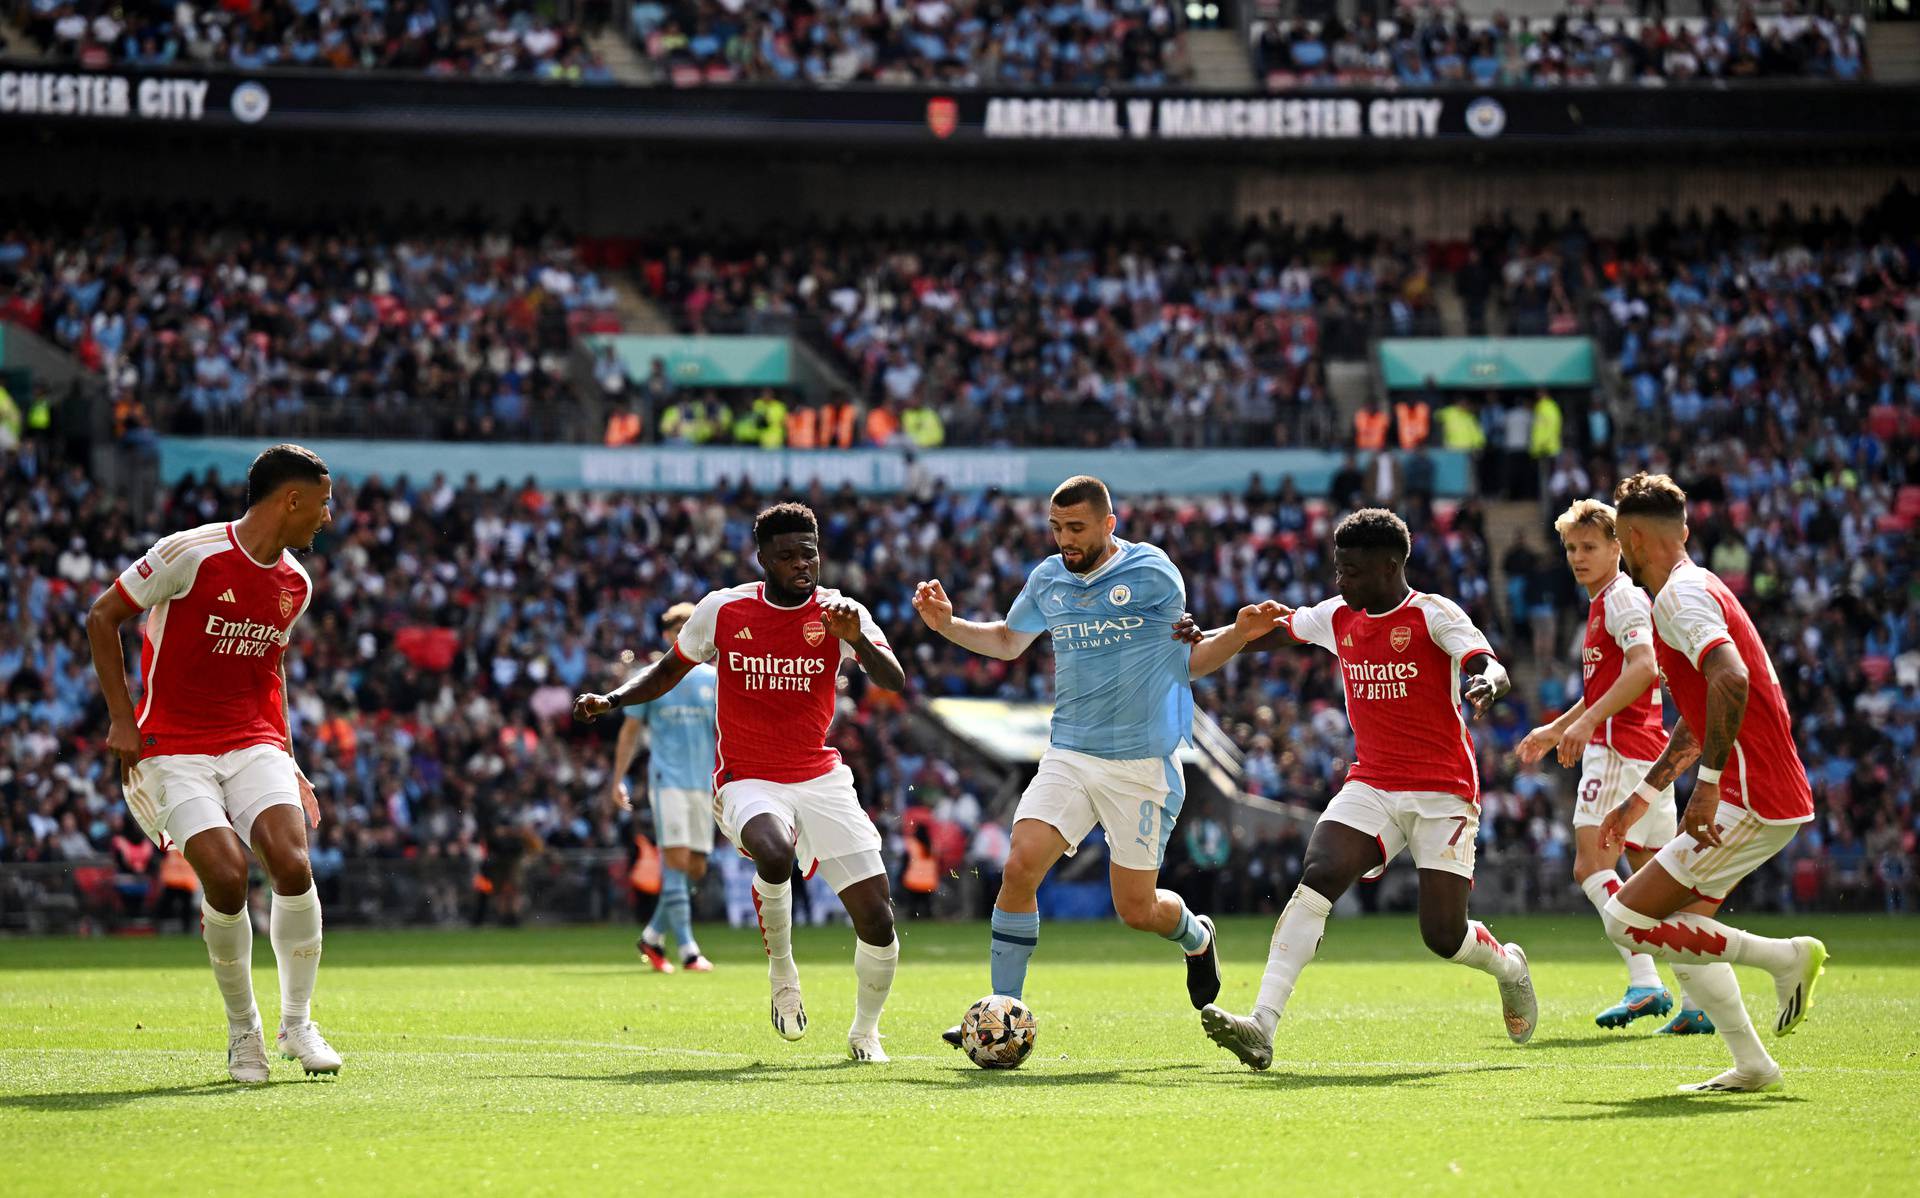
x: 679, y: 613
x: 1590, y: 512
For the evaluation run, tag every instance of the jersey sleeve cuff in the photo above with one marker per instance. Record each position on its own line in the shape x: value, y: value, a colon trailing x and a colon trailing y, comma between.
x: 682, y: 654
x: 122, y: 588
x: 1710, y: 646
x: 1477, y: 651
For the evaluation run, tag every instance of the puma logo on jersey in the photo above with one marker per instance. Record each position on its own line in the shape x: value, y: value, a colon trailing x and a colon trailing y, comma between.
x: 226, y: 596
x: 745, y: 634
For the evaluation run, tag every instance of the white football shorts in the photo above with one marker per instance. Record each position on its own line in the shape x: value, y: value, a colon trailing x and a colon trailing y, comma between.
x: 1136, y: 801
x: 1712, y: 871
x: 683, y: 819
x: 176, y: 797
x: 1607, y: 780
x: 1439, y: 828
x: 831, y: 832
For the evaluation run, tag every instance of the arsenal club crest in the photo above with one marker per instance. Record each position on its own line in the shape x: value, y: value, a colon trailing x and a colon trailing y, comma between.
x: 943, y: 116
x: 1401, y: 638
x: 286, y: 604
x: 814, y: 631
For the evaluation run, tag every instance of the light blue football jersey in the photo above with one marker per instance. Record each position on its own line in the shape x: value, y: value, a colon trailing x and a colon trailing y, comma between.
x: 680, y: 732
x: 1121, y: 689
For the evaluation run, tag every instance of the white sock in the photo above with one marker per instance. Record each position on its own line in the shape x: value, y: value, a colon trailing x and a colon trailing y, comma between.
x: 1689, y: 937
x: 1599, y: 887
x: 294, y: 928
x: 873, y: 966
x: 689, y: 949
x: 774, y: 904
x: 1719, y: 994
x: 1483, y: 951
x: 230, y: 950
x: 1296, y: 937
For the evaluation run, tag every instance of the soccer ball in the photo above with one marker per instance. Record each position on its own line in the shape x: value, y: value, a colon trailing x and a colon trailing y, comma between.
x: 997, y: 1032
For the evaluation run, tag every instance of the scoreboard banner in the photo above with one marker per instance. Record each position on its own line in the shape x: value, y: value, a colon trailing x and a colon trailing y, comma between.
x: 366, y: 103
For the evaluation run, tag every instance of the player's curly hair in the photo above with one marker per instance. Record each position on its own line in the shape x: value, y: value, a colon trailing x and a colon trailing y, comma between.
x: 1374, y: 528
x: 784, y: 518
x: 1655, y: 495
x: 280, y: 465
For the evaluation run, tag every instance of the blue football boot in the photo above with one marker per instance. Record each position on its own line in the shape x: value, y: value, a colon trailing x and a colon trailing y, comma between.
x: 1639, y: 1002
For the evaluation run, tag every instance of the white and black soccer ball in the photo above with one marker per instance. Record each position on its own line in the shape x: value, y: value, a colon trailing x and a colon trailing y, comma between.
x: 997, y: 1032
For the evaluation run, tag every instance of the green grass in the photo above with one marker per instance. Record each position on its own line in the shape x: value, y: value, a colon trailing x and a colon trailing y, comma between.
x: 547, y: 1062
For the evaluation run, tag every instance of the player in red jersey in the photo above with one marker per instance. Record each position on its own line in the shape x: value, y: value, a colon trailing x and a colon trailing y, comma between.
x: 1750, y: 799
x: 1614, y: 733
x: 207, y: 758
x: 1414, y: 782
x: 780, y: 794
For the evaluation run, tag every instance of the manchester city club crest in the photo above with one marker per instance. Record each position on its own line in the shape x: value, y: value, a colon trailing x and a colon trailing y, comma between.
x: 1120, y: 594
x: 814, y: 631
x: 1401, y: 638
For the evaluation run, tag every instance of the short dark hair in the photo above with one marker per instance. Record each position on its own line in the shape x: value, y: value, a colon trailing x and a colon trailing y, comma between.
x: 784, y: 518
x: 1374, y: 528
x: 1083, y: 488
x: 1655, y: 495
x: 280, y: 465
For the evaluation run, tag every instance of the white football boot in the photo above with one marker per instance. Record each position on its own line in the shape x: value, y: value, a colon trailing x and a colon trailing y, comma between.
x: 866, y: 1048
x: 789, y: 1015
x: 305, y: 1044
x: 1795, y: 989
x: 1737, y: 1081
x: 1519, y: 1008
x: 247, y: 1056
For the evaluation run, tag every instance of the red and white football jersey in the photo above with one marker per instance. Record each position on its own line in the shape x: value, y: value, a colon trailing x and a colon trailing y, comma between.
x: 1620, y: 617
x: 779, y: 669
x: 1402, y: 675
x: 217, y: 624
x: 1694, y: 612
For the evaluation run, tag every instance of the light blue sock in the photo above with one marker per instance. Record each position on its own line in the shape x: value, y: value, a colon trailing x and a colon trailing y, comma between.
x: 1014, y: 938
x: 1188, y: 933
x: 673, y: 890
x: 680, y: 912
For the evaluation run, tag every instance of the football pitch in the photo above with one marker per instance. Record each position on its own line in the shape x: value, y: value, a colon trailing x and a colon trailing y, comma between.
x: 550, y: 1062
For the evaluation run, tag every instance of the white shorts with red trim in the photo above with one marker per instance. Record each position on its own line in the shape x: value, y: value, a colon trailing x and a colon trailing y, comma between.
x: 1712, y: 871
x: 1439, y: 828
x: 176, y: 797
x: 831, y: 832
x: 1607, y: 780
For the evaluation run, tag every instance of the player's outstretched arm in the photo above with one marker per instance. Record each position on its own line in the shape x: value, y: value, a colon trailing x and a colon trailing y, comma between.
x: 1636, y: 675
x: 644, y: 687
x: 1534, y: 745
x: 842, y: 619
x: 1188, y: 629
x: 988, y: 640
x: 1216, y: 648
x: 108, y: 613
x: 1490, y: 683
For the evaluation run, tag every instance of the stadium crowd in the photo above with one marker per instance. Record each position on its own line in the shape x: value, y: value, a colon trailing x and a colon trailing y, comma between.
x: 1772, y: 364
x: 494, y: 38
x: 1067, y: 334
x: 1440, y: 46
x: 946, y: 43
x: 204, y: 323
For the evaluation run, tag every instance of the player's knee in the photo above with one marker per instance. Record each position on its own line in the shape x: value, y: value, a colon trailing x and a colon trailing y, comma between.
x: 1443, y: 937
x: 696, y: 867
x: 1323, y: 877
x: 223, y: 881
x: 1136, y: 913
x: 290, y: 869
x: 874, y: 923
x: 1620, y: 923
x: 1022, y: 875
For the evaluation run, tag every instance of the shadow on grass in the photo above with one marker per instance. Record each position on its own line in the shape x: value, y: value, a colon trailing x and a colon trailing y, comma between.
x: 1043, y: 1076
x: 100, y: 1100
x: 1668, y: 1106
x: 1599, y: 1039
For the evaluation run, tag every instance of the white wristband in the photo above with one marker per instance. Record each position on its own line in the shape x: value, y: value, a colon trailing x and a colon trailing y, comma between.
x: 1710, y: 775
x: 1645, y: 793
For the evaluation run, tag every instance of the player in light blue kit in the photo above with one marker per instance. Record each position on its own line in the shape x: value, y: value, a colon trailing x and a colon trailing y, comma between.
x: 1123, y: 705
x: 680, y: 731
